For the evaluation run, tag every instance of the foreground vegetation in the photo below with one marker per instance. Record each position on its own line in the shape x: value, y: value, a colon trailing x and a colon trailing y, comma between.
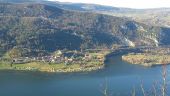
x: 147, y: 59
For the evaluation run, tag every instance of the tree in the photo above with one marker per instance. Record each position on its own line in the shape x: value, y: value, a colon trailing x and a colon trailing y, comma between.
x: 14, y: 53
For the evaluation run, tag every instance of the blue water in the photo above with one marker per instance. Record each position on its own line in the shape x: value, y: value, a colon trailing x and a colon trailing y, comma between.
x: 119, y: 77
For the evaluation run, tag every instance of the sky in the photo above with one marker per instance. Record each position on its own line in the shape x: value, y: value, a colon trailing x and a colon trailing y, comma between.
x: 138, y: 4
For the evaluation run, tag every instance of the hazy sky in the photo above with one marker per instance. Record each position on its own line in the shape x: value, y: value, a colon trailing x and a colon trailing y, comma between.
x: 125, y: 3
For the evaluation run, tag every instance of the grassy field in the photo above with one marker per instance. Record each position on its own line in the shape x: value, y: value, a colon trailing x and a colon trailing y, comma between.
x: 45, y: 67
x: 147, y: 59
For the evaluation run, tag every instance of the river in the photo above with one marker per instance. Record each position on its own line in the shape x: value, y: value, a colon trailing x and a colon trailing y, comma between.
x: 119, y: 77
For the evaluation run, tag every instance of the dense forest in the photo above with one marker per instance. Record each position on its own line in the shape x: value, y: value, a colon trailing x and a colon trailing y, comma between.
x: 34, y: 29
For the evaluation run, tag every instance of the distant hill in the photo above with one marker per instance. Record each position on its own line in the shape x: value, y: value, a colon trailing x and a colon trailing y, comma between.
x: 38, y: 28
x: 87, y: 7
x: 157, y: 17
x: 83, y: 7
x: 19, y: 1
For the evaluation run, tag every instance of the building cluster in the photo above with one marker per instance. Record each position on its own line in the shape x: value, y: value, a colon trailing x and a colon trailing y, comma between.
x: 62, y: 58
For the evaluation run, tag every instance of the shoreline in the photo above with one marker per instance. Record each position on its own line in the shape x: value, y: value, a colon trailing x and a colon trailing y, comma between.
x: 53, y: 68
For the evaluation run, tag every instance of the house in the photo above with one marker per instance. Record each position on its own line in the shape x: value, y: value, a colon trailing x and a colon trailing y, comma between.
x: 68, y: 60
x: 21, y: 60
x: 88, y: 56
x: 53, y: 60
x: 59, y: 53
x: 59, y: 61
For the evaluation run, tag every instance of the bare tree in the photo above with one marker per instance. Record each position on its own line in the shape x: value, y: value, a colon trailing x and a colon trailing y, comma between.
x: 164, y: 80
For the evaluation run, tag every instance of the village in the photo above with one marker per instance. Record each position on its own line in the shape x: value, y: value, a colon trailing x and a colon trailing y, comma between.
x: 72, y: 57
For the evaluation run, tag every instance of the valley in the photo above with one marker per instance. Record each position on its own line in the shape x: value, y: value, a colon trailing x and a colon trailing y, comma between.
x: 32, y: 33
x: 52, y: 48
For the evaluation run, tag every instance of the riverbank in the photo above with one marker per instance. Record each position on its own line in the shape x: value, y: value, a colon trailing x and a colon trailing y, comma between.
x: 44, y: 67
x: 92, y: 62
x: 147, y: 59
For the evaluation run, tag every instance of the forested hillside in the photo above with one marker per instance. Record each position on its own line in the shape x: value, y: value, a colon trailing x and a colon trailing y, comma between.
x: 38, y: 28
